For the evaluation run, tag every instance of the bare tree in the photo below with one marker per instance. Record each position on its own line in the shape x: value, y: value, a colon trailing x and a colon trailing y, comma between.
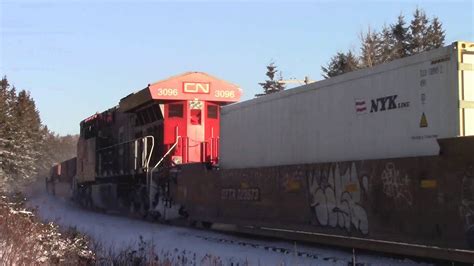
x: 370, y: 48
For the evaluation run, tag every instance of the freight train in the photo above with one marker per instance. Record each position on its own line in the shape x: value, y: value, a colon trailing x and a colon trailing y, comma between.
x: 380, y: 158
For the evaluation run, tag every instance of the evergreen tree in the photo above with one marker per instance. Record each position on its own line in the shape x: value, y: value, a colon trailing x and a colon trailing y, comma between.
x: 4, y: 124
x: 387, y: 43
x: 393, y: 42
x: 11, y: 134
x: 352, y: 62
x: 271, y: 85
x: 8, y: 143
x: 26, y: 146
x: 4, y: 91
x: 50, y: 151
x: 335, y: 66
x: 28, y: 135
x: 339, y: 64
x: 436, y: 35
x: 370, y: 49
x: 418, y: 35
x: 401, y: 46
x: 55, y: 149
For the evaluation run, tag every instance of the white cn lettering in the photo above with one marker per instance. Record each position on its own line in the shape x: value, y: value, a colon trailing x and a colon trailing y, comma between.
x: 192, y: 87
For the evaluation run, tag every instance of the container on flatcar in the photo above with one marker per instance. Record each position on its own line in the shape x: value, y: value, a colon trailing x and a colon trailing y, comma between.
x: 397, y: 109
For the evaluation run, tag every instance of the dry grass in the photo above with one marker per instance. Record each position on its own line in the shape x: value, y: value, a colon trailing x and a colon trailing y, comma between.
x: 145, y: 253
x: 24, y: 240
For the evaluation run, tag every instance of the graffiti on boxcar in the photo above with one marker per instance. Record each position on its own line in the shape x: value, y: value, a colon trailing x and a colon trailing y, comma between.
x: 396, y: 185
x: 292, y: 183
x: 336, y: 197
x: 466, y: 209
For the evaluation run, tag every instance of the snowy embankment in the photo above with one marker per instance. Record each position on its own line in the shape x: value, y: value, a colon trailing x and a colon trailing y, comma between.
x: 26, y: 241
x: 186, y: 246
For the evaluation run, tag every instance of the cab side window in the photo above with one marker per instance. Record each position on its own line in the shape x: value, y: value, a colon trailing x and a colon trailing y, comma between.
x: 212, y: 111
x: 175, y: 110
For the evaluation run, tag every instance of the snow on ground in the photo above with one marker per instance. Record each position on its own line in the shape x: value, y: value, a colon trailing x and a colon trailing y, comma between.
x: 186, y: 246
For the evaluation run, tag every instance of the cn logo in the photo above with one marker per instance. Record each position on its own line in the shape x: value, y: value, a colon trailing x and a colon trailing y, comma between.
x: 196, y: 87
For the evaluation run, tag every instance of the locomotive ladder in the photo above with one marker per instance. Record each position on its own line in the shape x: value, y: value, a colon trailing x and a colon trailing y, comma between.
x: 150, y: 172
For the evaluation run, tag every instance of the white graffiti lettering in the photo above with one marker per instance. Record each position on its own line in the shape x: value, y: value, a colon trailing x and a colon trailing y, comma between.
x: 466, y: 208
x: 395, y: 185
x: 336, y: 197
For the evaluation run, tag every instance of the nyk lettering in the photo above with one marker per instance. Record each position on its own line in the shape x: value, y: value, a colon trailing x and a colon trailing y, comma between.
x: 386, y: 103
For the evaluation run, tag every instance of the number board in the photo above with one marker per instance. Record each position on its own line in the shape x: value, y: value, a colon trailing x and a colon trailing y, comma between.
x: 191, y: 90
x: 195, y: 86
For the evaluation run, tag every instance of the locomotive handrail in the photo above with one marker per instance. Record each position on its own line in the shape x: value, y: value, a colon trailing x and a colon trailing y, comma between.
x: 151, y: 150
x: 150, y: 174
x: 108, y: 147
x: 212, y: 143
x: 146, y: 157
x: 168, y: 152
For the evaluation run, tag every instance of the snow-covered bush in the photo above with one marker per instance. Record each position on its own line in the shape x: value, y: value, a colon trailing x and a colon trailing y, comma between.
x: 26, y: 241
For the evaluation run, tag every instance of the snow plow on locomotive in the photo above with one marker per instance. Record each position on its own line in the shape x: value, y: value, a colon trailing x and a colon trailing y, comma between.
x: 379, y: 159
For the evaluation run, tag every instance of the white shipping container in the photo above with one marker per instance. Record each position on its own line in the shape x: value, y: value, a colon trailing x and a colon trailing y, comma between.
x: 397, y: 109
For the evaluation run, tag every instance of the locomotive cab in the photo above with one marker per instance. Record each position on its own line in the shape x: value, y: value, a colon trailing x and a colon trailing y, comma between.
x: 181, y: 115
x: 127, y: 154
x: 194, y: 126
x: 187, y: 107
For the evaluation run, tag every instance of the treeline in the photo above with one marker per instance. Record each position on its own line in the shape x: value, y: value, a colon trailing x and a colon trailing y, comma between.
x: 27, y: 147
x: 395, y: 41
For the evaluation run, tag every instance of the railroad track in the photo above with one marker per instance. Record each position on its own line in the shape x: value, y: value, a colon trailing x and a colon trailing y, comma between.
x: 384, y: 248
x: 387, y: 247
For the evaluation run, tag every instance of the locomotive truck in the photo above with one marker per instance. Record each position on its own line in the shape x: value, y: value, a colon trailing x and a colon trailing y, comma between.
x: 379, y: 158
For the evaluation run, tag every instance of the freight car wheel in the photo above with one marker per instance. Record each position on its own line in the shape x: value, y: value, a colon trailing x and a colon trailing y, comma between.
x: 153, y: 216
x: 182, y: 211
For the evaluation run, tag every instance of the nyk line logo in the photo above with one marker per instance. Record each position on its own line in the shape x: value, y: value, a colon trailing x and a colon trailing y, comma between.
x: 380, y: 104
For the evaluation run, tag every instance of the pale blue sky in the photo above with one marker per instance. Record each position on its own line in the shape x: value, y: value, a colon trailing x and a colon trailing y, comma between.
x: 79, y: 57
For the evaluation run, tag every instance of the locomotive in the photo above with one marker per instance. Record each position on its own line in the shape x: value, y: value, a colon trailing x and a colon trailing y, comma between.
x: 380, y: 158
x: 128, y: 155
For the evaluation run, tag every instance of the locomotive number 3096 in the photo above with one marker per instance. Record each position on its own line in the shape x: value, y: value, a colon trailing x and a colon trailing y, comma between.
x: 167, y: 92
x: 224, y: 94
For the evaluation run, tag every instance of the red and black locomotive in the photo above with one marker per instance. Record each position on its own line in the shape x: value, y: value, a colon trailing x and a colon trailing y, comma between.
x: 128, y: 155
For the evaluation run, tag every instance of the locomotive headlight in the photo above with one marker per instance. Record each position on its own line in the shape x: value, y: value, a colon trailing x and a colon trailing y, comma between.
x: 177, y: 159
